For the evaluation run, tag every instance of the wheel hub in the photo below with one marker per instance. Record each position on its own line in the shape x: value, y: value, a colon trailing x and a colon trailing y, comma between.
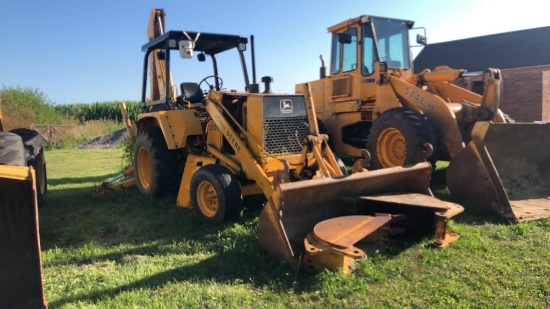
x: 392, y: 148
x: 144, y: 168
x: 207, y: 199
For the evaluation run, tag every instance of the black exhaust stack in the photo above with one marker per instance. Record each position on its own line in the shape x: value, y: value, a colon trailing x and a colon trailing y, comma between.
x: 322, y: 69
x: 254, y: 87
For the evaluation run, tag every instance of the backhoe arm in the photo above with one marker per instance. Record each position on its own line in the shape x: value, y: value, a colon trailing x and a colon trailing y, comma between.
x: 157, y: 73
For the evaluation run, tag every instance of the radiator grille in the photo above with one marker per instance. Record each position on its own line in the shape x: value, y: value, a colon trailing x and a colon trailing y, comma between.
x: 285, y: 135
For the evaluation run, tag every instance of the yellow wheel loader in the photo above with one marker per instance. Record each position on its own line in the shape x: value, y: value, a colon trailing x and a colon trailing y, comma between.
x: 22, y: 190
x: 372, y: 99
x: 213, y: 146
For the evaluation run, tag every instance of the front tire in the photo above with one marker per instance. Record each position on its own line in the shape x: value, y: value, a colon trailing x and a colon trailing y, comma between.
x: 342, y: 166
x: 397, y: 138
x: 216, y: 194
x: 157, y: 169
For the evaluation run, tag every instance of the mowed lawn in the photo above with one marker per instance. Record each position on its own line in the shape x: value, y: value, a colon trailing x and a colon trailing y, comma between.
x: 122, y: 250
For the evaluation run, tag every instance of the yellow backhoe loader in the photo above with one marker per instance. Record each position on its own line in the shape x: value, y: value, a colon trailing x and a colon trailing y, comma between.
x: 213, y: 146
x: 372, y: 99
x: 22, y: 190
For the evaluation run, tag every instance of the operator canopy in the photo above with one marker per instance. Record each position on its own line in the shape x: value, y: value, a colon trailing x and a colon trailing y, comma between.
x: 209, y: 43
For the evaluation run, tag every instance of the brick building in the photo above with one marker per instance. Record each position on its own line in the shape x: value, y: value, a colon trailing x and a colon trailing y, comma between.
x: 522, y: 56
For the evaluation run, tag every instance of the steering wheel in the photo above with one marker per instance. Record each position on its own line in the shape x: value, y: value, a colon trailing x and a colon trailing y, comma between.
x: 211, y: 86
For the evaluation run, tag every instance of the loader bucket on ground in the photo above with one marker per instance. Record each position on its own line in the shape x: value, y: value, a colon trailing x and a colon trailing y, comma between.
x: 505, y: 167
x: 21, y: 284
x: 359, y: 201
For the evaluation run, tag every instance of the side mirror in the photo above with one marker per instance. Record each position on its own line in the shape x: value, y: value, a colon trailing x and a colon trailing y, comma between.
x: 344, y: 38
x: 186, y: 49
x: 421, y: 39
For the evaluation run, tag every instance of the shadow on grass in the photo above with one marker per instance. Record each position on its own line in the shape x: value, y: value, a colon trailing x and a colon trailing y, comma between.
x: 225, y: 266
x: 126, y: 224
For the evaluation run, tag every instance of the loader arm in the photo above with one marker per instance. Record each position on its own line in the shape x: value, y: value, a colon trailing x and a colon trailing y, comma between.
x: 451, y: 110
x: 436, y: 110
x: 317, y: 143
x: 475, y: 107
x: 249, y: 163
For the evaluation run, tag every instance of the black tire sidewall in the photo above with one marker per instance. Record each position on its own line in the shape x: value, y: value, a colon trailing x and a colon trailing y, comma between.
x: 32, y: 141
x: 342, y: 166
x: 12, y: 150
x: 39, y: 165
x: 166, y: 165
x: 26, y: 145
x: 227, y: 189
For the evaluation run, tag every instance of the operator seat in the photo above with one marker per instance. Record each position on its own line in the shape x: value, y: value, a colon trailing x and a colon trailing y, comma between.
x: 192, y: 92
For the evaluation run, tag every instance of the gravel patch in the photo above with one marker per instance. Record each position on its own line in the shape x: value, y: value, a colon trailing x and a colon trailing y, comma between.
x: 105, y: 141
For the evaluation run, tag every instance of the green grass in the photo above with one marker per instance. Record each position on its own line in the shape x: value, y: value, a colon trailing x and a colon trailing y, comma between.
x: 124, y: 251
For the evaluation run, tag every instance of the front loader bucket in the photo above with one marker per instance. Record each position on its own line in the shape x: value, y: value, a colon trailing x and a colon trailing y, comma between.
x: 21, y: 284
x: 505, y: 167
x: 297, y: 208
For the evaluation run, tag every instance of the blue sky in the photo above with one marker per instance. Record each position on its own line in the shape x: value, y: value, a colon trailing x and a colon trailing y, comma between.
x: 90, y: 51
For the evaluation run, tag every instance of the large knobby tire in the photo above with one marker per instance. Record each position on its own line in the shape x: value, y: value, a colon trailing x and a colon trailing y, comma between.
x: 397, y: 138
x: 342, y: 166
x: 216, y: 194
x: 157, y: 169
x: 34, y: 155
x: 12, y: 151
x: 39, y: 165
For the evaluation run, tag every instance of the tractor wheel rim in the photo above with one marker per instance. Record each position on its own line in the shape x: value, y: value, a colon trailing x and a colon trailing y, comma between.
x: 391, y: 148
x: 144, y: 167
x: 207, y: 198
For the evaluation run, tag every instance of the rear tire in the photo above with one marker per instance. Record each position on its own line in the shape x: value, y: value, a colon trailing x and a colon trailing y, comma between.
x: 12, y: 151
x: 35, y: 157
x: 157, y: 169
x: 216, y: 194
x: 397, y: 138
x: 39, y: 165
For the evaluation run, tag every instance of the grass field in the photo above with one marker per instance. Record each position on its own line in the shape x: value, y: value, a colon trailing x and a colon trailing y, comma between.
x: 124, y: 251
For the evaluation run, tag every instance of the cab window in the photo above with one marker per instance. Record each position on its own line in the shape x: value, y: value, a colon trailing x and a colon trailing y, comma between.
x: 369, y: 56
x: 344, y: 55
x: 349, y: 52
x: 335, y: 64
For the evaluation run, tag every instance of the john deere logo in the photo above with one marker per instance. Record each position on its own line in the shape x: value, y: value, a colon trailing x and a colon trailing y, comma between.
x: 286, y: 106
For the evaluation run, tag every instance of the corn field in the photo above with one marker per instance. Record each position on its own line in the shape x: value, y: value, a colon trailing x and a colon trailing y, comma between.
x: 98, y: 111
